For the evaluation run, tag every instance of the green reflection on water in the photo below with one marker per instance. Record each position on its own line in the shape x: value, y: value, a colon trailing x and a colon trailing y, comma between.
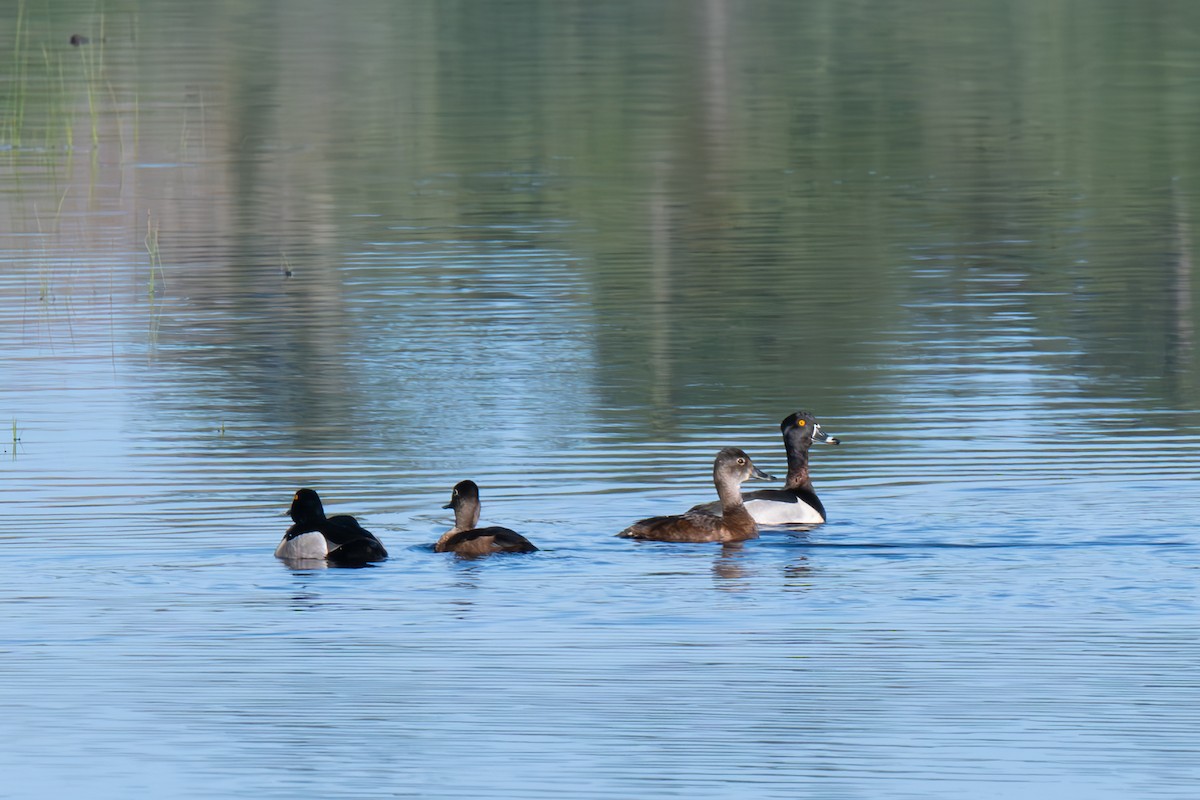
x: 733, y: 203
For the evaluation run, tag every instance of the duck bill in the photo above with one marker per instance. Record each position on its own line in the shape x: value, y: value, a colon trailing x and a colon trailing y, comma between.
x: 758, y: 474
x: 823, y: 437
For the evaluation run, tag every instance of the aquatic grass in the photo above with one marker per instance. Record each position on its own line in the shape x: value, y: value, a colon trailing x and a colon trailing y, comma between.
x: 87, y: 59
x: 91, y: 58
x: 151, y: 242
x: 37, y: 110
x: 183, y: 136
x: 153, y: 280
x: 48, y: 140
x: 112, y: 93
x: 69, y: 110
x: 44, y: 285
x: 49, y: 297
x: 137, y: 37
x: 20, y: 33
x: 100, y: 70
x: 136, y: 113
x: 43, y: 93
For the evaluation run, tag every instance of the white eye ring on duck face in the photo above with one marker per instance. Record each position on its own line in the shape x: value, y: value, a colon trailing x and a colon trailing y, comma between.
x: 742, y: 461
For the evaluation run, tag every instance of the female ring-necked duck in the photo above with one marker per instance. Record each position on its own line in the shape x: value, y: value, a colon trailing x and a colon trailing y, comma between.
x: 466, y: 539
x: 340, y: 540
x: 796, y: 502
x: 731, y: 468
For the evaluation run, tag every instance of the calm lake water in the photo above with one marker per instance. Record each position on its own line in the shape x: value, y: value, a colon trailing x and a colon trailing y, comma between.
x: 570, y: 250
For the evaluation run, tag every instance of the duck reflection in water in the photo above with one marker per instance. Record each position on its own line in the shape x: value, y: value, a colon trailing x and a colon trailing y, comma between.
x: 730, y: 568
x: 798, y: 575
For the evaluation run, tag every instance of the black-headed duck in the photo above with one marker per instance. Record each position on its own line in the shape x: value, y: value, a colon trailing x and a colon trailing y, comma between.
x: 468, y: 540
x: 796, y: 502
x: 731, y: 468
x: 339, y: 540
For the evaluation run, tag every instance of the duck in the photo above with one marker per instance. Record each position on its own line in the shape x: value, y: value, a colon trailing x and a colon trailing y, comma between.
x: 339, y: 539
x: 731, y: 468
x: 466, y: 539
x: 796, y: 502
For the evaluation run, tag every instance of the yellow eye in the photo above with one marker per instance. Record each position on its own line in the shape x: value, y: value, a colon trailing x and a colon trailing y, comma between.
x: 800, y: 423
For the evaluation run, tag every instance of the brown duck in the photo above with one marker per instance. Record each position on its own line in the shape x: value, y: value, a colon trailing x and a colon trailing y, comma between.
x: 468, y: 540
x: 731, y: 468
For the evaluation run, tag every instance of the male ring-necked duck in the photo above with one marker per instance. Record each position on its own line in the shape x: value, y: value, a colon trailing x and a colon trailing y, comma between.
x: 796, y: 502
x: 731, y: 468
x: 466, y: 539
x: 339, y: 540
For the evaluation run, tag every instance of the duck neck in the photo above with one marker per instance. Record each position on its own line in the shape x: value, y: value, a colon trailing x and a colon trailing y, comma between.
x: 466, y: 517
x: 797, y: 477
x: 734, y: 514
x: 731, y: 497
x: 306, y: 523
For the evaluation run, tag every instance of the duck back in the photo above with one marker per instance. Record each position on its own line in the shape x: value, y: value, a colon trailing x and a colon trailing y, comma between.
x: 694, y: 526
x: 485, y: 541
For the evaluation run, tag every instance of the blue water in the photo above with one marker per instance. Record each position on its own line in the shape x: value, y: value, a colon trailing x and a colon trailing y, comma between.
x: 571, y: 253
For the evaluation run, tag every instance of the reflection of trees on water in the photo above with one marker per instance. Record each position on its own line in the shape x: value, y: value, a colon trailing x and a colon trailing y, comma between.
x: 1179, y: 354
x: 761, y: 201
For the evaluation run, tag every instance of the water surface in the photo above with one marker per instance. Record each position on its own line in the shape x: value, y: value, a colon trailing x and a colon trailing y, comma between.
x: 570, y: 250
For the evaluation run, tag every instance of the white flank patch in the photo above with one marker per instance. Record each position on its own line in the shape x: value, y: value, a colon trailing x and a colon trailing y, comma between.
x: 306, y: 545
x: 771, y: 512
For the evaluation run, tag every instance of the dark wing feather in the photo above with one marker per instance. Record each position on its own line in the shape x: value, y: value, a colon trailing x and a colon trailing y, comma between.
x: 357, y: 553
x: 350, y: 542
x: 344, y: 529
x: 480, y: 541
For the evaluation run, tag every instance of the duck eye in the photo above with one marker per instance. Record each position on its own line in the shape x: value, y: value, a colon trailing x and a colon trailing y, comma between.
x: 800, y: 423
x: 741, y: 461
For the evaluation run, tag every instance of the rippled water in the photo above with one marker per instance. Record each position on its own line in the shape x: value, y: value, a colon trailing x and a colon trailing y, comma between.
x: 569, y: 251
